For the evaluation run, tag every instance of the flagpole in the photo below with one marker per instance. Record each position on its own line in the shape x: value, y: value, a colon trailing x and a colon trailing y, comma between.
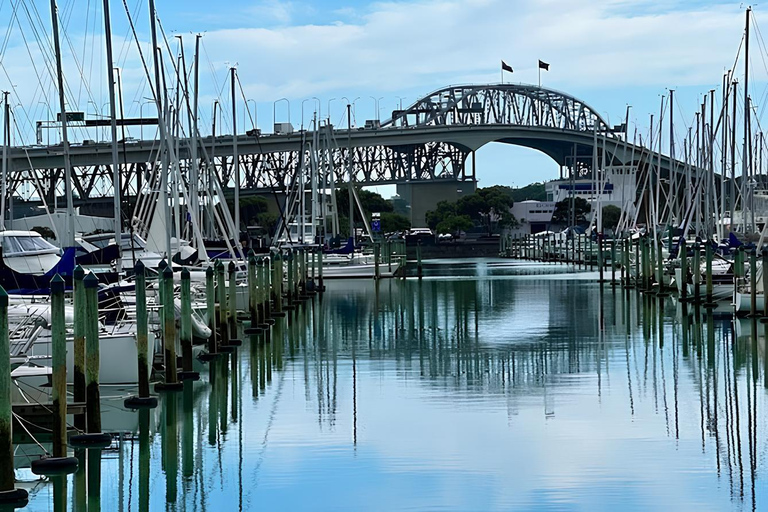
x: 539, y: 66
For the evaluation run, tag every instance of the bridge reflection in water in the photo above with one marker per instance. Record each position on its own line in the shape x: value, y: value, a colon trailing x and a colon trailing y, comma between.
x: 494, y: 389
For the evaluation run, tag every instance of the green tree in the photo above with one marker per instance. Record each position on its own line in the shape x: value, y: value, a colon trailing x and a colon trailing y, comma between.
x: 488, y: 207
x: 562, y: 213
x: 394, y: 222
x: 443, y: 210
x: 611, y: 216
x: 454, y: 224
x: 251, y: 207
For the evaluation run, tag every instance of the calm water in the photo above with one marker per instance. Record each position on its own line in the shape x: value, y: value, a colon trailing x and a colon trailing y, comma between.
x: 482, y: 387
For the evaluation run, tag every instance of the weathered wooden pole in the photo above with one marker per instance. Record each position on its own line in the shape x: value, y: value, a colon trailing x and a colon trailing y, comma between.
x: 662, y: 291
x: 92, y: 354
x: 290, y: 299
x: 59, y: 357
x: 233, y: 340
x: 613, y: 262
x: 752, y: 282
x: 376, y: 258
x: 683, y: 250
x: 254, y: 294
x: 710, y: 302
x: 277, y: 284
x: 765, y: 287
x: 210, y: 304
x: 267, y: 292
x: 9, y: 495
x: 59, y: 463
x: 419, y: 268
x: 252, y: 288
x: 600, y: 257
x: 321, y: 285
x: 302, y: 273
x: 169, y: 334
x: 142, y: 342
x: 221, y: 295
x: 78, y: 368
x: 185, y: 332
x: 262, y: 296
x: 696, y: 268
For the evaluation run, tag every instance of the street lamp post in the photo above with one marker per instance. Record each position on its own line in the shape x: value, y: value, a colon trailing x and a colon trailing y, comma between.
x: 274, y: 110
x: 329, y: 109
x: 376, y: 105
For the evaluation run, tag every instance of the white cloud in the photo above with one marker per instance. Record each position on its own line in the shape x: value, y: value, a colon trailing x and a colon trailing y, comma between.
x: 399, y: 45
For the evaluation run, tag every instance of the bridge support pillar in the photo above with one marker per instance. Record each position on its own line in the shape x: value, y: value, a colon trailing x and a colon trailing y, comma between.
x: 424, y: 196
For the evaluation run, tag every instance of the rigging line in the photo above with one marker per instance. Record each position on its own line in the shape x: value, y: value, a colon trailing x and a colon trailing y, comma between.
x: 242, y: 92
x: 125, y: 48
x: 34, y: 67
x: 85, y: 45
x: 138, y: 46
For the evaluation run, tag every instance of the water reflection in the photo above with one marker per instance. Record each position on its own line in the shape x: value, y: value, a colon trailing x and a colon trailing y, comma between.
x: 499, y: 391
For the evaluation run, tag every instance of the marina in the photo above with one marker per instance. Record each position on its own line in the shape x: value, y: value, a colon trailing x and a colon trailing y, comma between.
x: 206, y: 308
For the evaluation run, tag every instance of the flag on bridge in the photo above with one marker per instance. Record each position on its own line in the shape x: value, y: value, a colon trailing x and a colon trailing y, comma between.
x: 506, y: 67
x: 543, y: 65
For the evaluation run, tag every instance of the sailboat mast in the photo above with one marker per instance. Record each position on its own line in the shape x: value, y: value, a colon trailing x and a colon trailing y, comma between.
x: 745, y: 151
x: 6, y: 147
x: 113, y: 126
x: 672, y: 171
x: 235, y: 164
x: 732, y: 197
x: 69, y: 240
x: 193, y: 169
x: 159, y: 91
x: 349, y: 169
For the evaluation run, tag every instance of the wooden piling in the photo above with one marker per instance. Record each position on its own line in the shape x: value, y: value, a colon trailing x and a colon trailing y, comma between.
x: 59, y: 360
x: 696, y: 268
x: 765, y: 285
x: 752, y: 282
x: 143, y: 400
x: 252, y: 288
x: 78, y: 369
x: 232, y: 302
x: 710, y: 303
x: 185, y: 332
x: 210, y: 304
x: 277, y: 284
x: 376, y: 257
x: 59, y: 464
x: 8, y: 493
x: 92, y: 349
x: 683, y: 251
x: 221, y: 298
x: 419, y: 268
x: 321, y: 286
x: 169, y: 334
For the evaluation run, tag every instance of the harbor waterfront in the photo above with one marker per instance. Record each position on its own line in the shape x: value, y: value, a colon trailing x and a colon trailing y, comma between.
x: 490, y: 384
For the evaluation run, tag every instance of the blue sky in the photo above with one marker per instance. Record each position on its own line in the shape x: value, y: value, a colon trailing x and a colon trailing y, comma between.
x: 610, y: 53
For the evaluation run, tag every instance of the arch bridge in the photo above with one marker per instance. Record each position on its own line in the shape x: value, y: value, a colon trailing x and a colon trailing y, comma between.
x: 430, y: 140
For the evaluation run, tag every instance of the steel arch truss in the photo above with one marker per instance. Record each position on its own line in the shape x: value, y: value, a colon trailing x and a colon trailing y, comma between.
x: 503, y: 104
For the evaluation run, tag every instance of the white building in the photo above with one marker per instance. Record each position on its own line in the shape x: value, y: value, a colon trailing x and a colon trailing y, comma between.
x: 532, y: 216
x: 619, y: 189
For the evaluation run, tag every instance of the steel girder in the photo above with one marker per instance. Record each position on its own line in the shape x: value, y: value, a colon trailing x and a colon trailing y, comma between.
x: 505, y: 104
